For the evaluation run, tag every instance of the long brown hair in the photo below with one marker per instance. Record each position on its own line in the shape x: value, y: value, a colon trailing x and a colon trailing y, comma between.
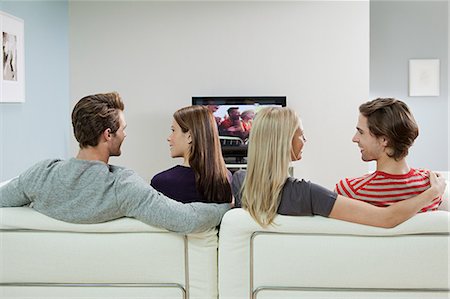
x: 205, y: 157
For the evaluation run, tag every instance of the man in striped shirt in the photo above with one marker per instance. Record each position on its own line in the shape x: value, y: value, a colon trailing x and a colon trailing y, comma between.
x: 386, y: 130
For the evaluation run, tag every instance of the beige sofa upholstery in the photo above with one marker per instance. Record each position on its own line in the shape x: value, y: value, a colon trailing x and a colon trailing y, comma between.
x: 301, y: 257
x: 45, y: 258
x: 317, y: 257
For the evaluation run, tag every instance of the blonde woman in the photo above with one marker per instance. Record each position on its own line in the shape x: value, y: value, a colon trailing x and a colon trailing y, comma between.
x: 266, y: 190
x: 203, y: 177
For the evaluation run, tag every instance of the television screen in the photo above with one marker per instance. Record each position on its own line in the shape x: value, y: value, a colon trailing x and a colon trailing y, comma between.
x: 234, y: 116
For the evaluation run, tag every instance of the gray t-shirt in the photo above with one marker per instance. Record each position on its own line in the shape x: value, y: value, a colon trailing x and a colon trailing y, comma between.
x: 81, y: 191
x: 298, y: 198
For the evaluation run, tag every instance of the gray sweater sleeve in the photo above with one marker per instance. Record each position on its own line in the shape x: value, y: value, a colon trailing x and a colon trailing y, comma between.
x: 136, y: 198
x: 11, y: 195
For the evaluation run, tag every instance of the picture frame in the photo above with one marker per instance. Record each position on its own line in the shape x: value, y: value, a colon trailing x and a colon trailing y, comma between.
x: 12, y: 71
x: 424, y: 77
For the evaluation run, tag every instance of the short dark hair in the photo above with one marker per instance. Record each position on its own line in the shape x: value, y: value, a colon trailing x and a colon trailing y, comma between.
x: 392, y: 119
x: 93, y: 114
x: 232, y: 108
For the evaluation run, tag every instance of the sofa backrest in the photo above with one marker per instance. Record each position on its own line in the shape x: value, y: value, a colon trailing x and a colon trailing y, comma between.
x: 314, y: 253
x: 42, y: 250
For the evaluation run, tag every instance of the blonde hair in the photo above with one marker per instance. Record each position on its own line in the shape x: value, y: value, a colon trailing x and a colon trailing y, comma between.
x: 269, y: 154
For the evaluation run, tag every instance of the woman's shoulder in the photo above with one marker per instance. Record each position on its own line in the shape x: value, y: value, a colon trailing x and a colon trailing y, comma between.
x: 292, y: 182
x: 296, y: 185
x: 175, y: 170
x: 237, y: 181
x: 172, y: 173
x: 239, y: 176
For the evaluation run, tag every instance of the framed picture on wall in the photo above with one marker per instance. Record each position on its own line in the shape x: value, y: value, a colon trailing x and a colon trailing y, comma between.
x: 12, y: 78
x: 423, y: 77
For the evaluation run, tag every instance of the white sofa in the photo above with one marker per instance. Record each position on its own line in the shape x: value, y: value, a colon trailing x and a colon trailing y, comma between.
x: 45, y: 258
x: 316, y: 257
x: 302, y: 257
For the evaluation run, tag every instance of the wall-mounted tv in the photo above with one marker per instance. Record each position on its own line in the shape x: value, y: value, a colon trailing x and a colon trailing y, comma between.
x: 234, y: 116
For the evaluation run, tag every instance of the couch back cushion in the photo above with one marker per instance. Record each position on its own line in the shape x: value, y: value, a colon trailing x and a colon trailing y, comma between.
x: 308, y: 252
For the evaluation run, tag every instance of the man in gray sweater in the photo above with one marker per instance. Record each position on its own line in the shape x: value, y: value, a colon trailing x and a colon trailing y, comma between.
x: 87, y: 189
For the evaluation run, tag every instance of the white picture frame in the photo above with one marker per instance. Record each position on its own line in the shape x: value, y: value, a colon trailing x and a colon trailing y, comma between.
x: 12, y: 72
x: 424, y: 77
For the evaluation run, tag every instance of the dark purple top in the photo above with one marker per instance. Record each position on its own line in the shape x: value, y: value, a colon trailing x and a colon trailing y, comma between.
x: 177, y: 183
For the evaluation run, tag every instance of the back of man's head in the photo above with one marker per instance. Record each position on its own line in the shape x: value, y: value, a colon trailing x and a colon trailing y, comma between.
x: 93, y: 114
x: 392, y: 119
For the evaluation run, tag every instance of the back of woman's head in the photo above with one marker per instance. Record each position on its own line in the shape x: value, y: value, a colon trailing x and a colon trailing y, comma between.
x: 205, y: 157
x: 269, y: 154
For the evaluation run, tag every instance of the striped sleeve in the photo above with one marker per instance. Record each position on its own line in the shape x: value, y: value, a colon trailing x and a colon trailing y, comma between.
x: 351, y: 187
x: 383, y: 189
x: 343, y: 188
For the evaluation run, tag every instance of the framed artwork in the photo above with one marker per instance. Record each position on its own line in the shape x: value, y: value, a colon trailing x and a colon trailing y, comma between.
x: 423, y: 77
x: 12, y: 83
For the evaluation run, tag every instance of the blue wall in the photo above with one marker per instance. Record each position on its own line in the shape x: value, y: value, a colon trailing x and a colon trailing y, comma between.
x: 403, y: 30
x: 40, y: 127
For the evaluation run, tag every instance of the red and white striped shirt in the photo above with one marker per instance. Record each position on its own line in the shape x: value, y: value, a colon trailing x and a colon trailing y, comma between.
x: 383, y: 189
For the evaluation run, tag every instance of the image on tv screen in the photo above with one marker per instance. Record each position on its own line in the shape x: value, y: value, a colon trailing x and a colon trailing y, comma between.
x: 234, y: 117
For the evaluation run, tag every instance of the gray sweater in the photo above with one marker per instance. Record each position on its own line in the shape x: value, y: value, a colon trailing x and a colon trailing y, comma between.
x: 81, y: 191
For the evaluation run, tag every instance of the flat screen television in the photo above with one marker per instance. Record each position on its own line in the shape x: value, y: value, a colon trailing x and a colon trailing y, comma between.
x: 234, y: 115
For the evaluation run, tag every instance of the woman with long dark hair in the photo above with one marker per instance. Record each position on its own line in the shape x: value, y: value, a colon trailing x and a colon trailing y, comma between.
x: 203, y: 176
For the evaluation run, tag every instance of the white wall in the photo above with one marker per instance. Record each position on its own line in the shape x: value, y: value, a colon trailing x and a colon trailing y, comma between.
x: 159, y: 54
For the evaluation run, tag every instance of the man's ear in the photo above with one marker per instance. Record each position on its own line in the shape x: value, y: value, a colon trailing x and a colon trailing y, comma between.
x: 384, y: 141
x: 107, y: 134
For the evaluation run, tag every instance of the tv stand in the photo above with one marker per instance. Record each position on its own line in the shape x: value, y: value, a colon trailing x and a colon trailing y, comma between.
x: 235, y: 167
x: 235, y: 160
